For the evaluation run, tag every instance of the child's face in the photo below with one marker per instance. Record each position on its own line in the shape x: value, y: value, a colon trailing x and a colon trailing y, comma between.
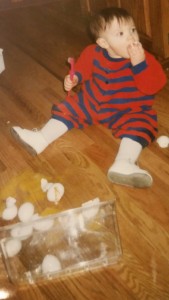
x: 118, y: 36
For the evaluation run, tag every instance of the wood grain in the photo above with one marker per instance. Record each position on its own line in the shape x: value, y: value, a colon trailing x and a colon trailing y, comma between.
x: 37, y: 40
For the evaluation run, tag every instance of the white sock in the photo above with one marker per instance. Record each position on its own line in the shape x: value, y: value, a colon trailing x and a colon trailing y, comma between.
x: 129, y: 150
x: 126, y: 158
x: 124, y: 170
x: 52, y: 130
x: 37, y: 141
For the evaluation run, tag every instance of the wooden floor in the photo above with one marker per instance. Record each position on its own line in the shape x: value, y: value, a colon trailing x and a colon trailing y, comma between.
x: 37, y: 41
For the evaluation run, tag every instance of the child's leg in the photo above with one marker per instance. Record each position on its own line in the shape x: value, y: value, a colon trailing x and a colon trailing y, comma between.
x: 67, y: 114
x: 124, y: 169
x: 37, y: 140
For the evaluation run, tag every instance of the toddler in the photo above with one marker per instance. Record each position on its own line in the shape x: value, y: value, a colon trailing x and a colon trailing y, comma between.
x: 118, y: 82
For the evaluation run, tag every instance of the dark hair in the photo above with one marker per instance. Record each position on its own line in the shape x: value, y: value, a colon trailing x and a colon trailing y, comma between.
x: 105, y: 17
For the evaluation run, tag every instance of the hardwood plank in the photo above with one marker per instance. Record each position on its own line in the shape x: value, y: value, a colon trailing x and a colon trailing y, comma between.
x: 37, y: 40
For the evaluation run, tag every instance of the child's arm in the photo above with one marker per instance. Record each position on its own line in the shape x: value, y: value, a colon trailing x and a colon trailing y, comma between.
x: 84, y: 64
x: 148, y: 73
x: 83, y: 68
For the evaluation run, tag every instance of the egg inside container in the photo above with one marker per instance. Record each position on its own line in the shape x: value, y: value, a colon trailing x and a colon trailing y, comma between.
x: 60, y: 244
x: 43, y: 225
x: 22, y: 232
x: 50, y: 264
x: 12, y: 247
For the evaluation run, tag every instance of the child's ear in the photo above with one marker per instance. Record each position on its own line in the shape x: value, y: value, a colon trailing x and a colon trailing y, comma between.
x: 102, y: 43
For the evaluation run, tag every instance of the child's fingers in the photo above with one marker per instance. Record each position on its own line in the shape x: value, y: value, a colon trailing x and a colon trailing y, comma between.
x: 68, y: 87
x: 67, y: 79
x: 68, y: 83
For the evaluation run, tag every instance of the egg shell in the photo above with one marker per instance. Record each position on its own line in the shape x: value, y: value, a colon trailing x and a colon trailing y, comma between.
x: 22, y: 232
x: 50, y: 264
x: 44, y: 182
x: 48, y: 186
x: 45, y: 185
x: 9, y: 213
x: 13, y: 246
x: 163, y: 141
x: 55, y: 192
x: 26, y: 211
x: 10, y: 201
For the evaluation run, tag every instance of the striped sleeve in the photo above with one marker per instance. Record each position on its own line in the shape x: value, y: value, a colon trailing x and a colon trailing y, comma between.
x: 149, y: 75
x: 84, y: 64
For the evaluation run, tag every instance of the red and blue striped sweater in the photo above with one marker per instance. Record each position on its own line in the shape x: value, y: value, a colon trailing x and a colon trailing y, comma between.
x: 115, y: 94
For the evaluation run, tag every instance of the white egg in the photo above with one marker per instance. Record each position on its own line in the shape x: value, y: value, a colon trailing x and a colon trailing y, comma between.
x: 43, y: 225
x: 10, y: 201
x: 22, y: 232
x: 50, y: 264
x: 55, y: 192
x: 163, y: 141
x: 25, y: 212
x: 13, y: 246
x: 9, y: 213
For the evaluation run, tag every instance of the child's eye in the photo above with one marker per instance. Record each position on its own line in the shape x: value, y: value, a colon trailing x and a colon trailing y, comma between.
x: 134, y: 30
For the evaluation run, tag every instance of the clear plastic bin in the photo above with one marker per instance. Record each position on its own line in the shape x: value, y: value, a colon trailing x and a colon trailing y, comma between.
x: 75, y: 240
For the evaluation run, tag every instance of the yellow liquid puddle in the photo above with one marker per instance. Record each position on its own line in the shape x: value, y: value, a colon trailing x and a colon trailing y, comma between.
x: 26, y: 187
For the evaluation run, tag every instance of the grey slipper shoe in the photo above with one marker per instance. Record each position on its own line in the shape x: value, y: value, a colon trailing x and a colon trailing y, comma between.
x: 138, y: 180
